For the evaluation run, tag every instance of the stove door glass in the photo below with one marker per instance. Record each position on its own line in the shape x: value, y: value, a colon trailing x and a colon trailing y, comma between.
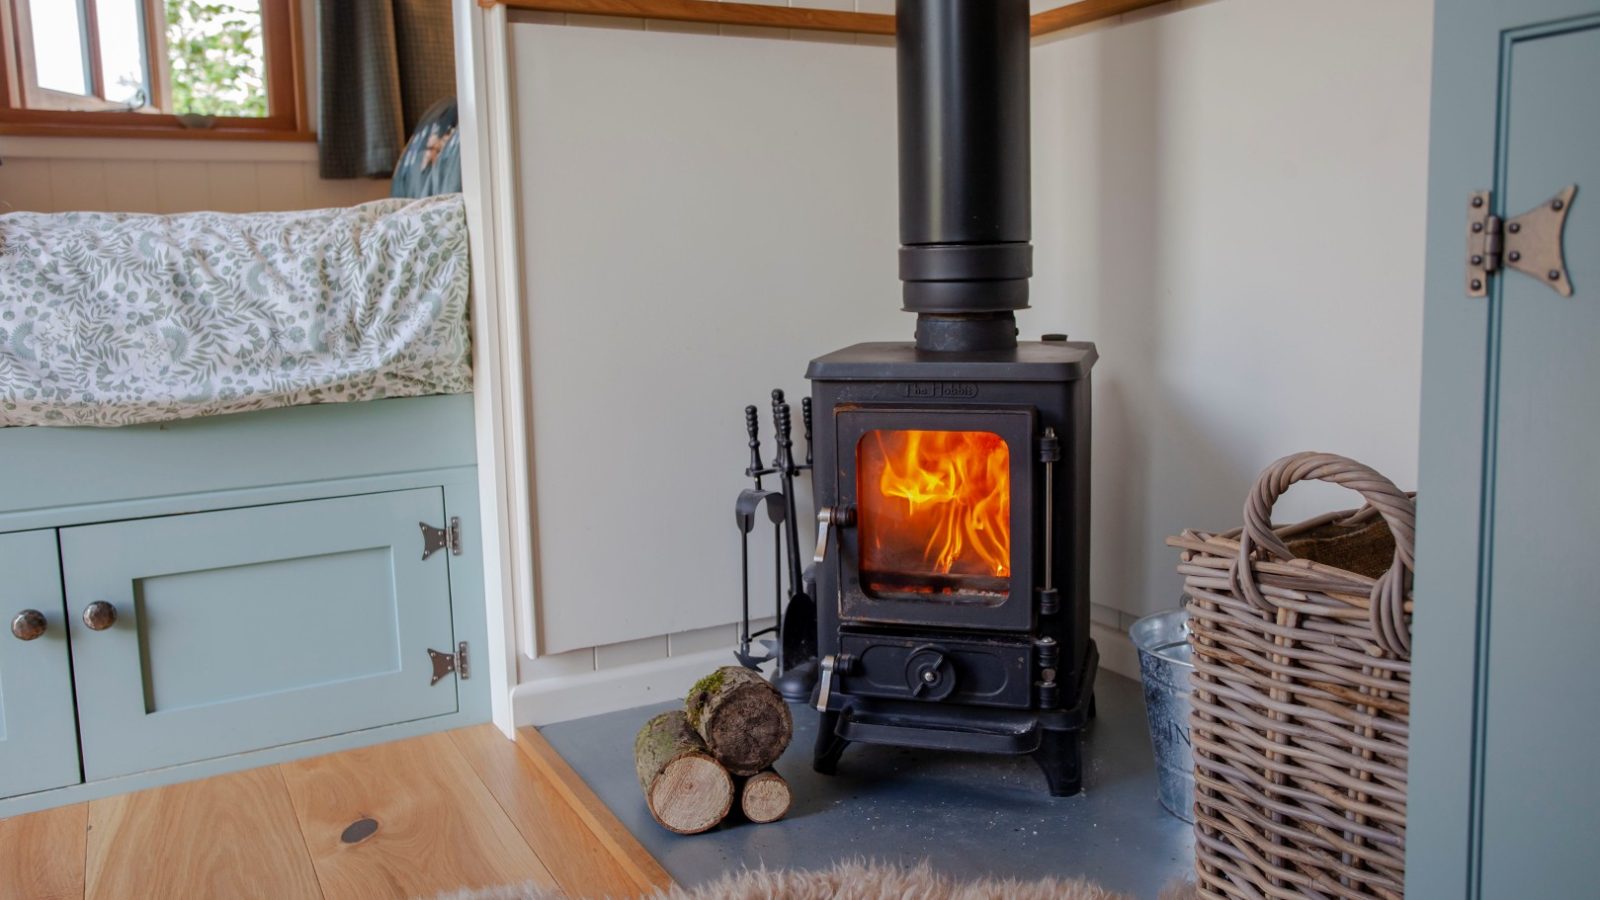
x: 935, y: 515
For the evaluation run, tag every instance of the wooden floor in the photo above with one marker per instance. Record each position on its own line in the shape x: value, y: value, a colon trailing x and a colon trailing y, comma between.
x: 414, y: 818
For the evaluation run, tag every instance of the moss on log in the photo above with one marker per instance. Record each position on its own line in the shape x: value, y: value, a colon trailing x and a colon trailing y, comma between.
x: 743, y: 720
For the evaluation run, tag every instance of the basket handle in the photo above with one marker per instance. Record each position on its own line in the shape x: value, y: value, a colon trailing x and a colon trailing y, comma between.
x: 1387, y: 609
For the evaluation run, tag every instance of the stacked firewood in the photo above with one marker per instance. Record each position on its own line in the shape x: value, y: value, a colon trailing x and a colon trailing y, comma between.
x: 694, y: 762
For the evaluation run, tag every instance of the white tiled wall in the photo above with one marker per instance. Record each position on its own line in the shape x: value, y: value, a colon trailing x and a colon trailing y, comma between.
x: 166, y: 176
x: 612, y: 656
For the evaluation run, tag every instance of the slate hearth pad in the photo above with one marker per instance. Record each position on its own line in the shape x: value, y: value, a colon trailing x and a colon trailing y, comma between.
x: 971, y: 815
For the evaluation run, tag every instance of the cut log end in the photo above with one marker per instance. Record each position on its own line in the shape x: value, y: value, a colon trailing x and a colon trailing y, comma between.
x: 765, y: 797
x: 686, y: 789
x: 743, y: 719
x: 692, y: 794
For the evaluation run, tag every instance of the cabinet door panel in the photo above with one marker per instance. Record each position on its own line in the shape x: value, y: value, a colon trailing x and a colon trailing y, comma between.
x: 1541, y: 720
x: 38, y: 734
x: 250, y: 628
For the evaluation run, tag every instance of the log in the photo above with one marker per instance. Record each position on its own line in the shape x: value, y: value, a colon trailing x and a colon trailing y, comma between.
x: 684, y: 786
x: 743, y: 720
x: 764, y: 797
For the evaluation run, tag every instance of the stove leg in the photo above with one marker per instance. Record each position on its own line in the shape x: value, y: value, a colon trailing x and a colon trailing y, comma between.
x: 829, y: 745
x: 1059, y: 756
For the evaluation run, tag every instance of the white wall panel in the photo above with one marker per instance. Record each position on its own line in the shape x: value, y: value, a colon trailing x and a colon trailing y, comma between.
x: 701, y: 216
x: 1226, y: 199
x: 1230, y: 200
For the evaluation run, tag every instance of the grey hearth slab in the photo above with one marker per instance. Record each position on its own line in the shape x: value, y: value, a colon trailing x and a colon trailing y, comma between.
x: 971, y: 815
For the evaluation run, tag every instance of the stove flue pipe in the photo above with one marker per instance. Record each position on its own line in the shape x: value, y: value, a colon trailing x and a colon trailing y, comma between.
x: 965, y: 206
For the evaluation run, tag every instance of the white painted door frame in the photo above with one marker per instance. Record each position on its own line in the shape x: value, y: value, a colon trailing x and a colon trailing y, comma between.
x: 488, y: 169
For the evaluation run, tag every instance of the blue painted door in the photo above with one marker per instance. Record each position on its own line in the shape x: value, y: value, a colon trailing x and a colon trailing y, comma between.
x: 249, y: 628
x: 1505, y: 795
x: 38, y: 734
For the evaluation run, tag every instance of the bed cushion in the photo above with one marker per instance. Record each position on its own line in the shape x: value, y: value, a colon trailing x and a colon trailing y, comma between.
x: 431, y: 163
x: 121, y: 318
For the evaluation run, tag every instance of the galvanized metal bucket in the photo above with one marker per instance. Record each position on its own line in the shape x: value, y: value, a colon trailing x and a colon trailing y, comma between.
x: 1165, y: 663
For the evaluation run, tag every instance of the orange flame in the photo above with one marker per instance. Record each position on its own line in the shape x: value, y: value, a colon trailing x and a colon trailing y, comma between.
x: 945, y: 492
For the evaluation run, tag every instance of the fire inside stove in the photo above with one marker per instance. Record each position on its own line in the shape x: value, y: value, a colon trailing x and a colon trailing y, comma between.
x: 935, y: 514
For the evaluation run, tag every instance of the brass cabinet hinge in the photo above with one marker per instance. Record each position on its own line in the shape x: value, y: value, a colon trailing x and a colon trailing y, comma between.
x: 445, y: 663
x: 436, y: 539
x: 1529, y: 243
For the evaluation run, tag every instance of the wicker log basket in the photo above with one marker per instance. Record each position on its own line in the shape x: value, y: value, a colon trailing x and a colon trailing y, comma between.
x: 1302, y: 691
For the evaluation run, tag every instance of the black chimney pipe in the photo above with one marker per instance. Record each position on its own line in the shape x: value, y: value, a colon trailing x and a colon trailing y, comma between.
x: 965, y: 196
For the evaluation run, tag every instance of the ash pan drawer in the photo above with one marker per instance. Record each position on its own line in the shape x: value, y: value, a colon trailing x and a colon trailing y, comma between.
x: 996, y: 672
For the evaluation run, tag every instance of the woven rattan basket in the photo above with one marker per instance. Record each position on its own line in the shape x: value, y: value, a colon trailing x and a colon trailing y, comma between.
x: 1302, y: 691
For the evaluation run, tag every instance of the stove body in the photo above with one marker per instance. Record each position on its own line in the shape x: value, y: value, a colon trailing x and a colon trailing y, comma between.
x: 951, y: 475
x: 990, y: 662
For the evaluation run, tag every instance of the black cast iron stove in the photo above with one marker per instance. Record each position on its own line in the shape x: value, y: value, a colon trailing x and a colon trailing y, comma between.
x: 952, y: 474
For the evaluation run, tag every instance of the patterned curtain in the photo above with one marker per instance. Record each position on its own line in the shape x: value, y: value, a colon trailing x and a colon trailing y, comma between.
x: 383, y: 64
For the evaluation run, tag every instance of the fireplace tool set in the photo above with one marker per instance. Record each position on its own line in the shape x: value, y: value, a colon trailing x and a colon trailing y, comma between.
x: 791, y: 640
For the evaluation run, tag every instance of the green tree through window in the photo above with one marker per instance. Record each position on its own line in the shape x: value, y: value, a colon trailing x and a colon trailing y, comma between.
x: 218, y: 65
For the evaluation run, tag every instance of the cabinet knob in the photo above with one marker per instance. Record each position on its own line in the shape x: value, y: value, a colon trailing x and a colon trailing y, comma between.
x: 28, y: 625
x: 100, y: 615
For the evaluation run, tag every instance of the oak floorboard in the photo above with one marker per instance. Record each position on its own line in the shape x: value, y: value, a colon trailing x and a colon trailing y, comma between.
x: 602, y: 824
x: 582, y: 865
x: 437, y: 826
x: 42, y: 854
x: 230, y: 836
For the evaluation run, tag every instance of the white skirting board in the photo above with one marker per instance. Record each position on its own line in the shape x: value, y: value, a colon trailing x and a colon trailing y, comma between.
x: 1116, y: 651
x: 565, y: 697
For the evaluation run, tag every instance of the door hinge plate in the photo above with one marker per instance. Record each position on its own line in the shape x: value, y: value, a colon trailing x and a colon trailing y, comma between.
x: 445, y: 663
x: 1530, y: 243
x: 436, y: 539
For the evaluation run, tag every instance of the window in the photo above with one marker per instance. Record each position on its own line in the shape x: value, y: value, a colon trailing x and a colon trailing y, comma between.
x: 179, y: 68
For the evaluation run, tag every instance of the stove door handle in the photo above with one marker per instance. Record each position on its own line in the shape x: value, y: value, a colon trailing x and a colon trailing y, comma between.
x: 827, y: 518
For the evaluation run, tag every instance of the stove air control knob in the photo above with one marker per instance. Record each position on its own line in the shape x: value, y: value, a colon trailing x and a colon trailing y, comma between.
x: 929, y: 673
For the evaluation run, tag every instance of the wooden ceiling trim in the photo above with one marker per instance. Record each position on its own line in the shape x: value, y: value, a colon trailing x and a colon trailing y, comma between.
x: 706, y: 12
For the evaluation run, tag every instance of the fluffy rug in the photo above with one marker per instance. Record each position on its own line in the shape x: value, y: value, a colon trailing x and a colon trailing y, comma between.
x: 853, y: 881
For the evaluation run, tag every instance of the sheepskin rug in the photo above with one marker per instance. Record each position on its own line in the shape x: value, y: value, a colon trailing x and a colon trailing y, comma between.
x: 857, y: 880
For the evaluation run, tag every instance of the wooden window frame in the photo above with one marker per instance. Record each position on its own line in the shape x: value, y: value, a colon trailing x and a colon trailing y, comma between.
x: 287, y: 116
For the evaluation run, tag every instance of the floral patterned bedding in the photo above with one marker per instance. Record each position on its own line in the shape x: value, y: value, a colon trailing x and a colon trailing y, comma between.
x: 121, y: 318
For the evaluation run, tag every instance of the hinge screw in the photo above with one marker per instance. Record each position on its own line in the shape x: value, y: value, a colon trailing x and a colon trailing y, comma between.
x: 1516, y: 255
x: 1477, y: 201
x: 1477, y: 226
x: 1514, y: 228
x: 1477, y: 260
x: 1555, y: 275
x: 1477, y: 285
x: 1557, y: 205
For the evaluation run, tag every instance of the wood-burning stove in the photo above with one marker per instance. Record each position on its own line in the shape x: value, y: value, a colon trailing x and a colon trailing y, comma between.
x: 951, y: 473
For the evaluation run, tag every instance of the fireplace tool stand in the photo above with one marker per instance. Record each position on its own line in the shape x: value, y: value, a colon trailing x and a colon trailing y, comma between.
x: 792, y: 644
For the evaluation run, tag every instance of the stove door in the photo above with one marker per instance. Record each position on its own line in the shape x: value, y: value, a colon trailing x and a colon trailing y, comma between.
x: 943, y: 529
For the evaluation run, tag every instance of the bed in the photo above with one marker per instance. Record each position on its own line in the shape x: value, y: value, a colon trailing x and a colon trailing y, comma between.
x: 250, y: 530
x: 110, y: 319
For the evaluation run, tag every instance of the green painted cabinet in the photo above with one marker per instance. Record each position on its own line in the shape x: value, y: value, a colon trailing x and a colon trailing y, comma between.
x: 247, y: 628
x: 1505, y: 796
x: 38, y: 731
